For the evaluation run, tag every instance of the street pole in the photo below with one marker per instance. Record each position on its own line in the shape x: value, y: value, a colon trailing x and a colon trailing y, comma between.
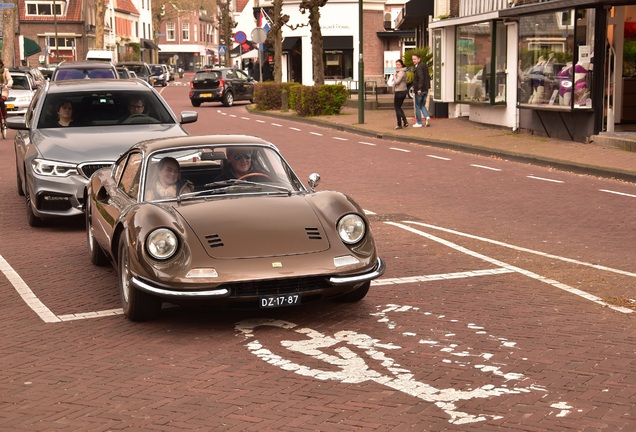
x: 57, y: 60
x: 360, y: 66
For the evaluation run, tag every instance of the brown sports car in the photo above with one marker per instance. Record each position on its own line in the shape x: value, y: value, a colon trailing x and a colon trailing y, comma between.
x: 224, y: 220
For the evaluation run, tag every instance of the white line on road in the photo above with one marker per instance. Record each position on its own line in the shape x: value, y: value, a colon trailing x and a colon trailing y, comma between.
x: 399, y: 149
x: 485, y: 167
x: 438, y: 277
x: 618, y: 193
x: 341, y: 139
x: 544, y: 179
x: 438, y: 157
x: 276, y: 124
x: 245, y: 118
x: 261, y: 121
x: 366, y: 143
x: 524, y: 272
x: 315, y: 133
x: 27, y: 295
x: 233, y: 115
x: 295, y: 129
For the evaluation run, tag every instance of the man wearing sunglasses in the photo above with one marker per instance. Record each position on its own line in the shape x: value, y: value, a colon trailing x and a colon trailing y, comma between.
x: 239, y: 163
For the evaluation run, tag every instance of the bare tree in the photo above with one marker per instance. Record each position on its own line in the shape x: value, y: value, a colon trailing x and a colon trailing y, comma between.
x: 313, y: 6
x: 226, y: 26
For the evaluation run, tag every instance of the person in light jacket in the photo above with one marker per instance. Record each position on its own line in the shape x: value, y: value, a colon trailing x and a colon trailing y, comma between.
x: 399, y: 93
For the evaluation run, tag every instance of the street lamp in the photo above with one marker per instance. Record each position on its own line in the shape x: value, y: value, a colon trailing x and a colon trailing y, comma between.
x: 360, y: 66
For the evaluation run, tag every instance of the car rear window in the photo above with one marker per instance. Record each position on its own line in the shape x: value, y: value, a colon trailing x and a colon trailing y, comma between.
x: 140, y: 70
x: 69, y: 74
x: 203, y: 75
x: 110, y: 108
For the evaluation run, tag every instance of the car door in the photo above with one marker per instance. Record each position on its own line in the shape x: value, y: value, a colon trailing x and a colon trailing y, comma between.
x: 22, y: 139
x: 247, y: 86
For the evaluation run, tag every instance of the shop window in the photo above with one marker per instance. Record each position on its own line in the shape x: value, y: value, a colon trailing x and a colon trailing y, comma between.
x: 480, y: 64
x: 338, y: 64
x: 555, y: 60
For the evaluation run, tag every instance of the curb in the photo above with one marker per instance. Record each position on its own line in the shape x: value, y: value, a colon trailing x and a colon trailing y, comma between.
x: 544, y: 161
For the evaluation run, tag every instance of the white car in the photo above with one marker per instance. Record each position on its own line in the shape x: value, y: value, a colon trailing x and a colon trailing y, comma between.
x: 20, y: 94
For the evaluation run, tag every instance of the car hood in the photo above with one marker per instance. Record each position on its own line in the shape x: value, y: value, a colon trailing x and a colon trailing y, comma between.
x: 251, y: 227
x: 84, y: 144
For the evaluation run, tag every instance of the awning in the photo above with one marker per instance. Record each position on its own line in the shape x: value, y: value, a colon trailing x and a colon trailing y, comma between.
x: 148, y: 44
x: 410, y: 33
x: 289, y: 42
x: 30, y: 47
x: 337, y: 42
x: 245, y: 47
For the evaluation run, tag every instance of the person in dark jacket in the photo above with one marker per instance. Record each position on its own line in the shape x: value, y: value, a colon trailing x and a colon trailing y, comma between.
x: 256, y: 70
x: 421, y: 86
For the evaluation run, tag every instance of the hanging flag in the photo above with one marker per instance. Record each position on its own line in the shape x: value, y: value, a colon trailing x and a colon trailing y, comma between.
x: 263, y: 22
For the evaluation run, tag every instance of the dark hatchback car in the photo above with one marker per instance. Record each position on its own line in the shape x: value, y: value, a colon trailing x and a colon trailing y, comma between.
x: 223, y: 85
x: 84, y: 70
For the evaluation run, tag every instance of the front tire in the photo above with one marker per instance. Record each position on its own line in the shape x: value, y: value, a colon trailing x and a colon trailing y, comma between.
x: 137, y: 305
x: 228, y: 99
x: 357, y: 294
x: 97, y: 255
x: 32, y: 219
x: 18, y: 181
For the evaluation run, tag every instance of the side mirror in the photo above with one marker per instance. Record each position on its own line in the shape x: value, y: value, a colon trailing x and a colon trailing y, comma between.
x: 17, y: 123
x: 189, y: 117
x: 314, y: 180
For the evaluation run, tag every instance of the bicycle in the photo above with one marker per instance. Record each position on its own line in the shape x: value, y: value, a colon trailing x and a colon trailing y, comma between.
x: 3, y: 110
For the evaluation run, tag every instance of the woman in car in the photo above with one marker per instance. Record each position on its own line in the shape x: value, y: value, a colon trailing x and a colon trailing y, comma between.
x: 167, y: 182
x: 64, y: 112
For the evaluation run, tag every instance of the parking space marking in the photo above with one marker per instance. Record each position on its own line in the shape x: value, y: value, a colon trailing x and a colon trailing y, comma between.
x: 438, y: 277
x: 400, y: 149
x: 544, y: 179
x: 25, y: 292
x: 439, y: 157
x: 89, y: 315
x: 618, y: 193
x: 524, y: 272
x: 345, y: 357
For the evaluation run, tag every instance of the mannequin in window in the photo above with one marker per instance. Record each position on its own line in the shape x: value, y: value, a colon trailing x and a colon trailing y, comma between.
x: 581, y: 87
x: 565, y: 84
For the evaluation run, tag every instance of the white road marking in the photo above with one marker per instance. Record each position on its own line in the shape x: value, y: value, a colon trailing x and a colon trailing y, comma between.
x: 485, y: 167
x: 245, y: 118
x: 261, y: 121
x: 522, y: 249
x: 89, y: 315
x: 438, y: 277
x: 27, y: 295
x: 276, y: 124
x: 524, y: 272
x: 544, y: 179
x: 400, y: 149
x: 438, y: 157
x: 315, y: 133
x: 366, y: 143
x: 232, y: 115
x: 341, y: 139
x: 294, y: 129
x: 344, y: 356
x: 618, y: 193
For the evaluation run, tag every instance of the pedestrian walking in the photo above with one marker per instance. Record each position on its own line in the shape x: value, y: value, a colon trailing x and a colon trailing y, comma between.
x: 421, y: 85
x: 256, y: 70
x: 399, y: 93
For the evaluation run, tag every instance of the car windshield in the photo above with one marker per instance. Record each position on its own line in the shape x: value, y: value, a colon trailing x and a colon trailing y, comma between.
x: 156, y: 70
x: 20, y: 82
x: 140, y: 70
x: 206, y: 172
x: 72, y: 73
x: 107, y: 108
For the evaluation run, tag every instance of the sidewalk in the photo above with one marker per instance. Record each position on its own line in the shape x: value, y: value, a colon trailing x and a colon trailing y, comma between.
x: 464, y: 135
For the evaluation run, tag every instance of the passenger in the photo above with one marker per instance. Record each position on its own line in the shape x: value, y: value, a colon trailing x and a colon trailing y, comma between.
x: 240, y: 164
x: 167, y: 182
x: 64, y: 111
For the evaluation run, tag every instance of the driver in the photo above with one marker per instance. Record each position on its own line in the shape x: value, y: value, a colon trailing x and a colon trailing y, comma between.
x: 136, y: 105
x: 240, y: 163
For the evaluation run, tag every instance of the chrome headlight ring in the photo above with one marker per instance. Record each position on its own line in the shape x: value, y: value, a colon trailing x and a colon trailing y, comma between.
x: 351, y: 228
x: 45, y: 167
x: 162, y: 244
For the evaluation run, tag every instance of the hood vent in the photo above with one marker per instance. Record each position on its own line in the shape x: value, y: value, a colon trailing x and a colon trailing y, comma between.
x: 313, y: 233
x: 214, y: 240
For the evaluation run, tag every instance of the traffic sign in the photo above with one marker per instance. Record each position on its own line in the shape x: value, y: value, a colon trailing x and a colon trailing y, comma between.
x: 222, y: 50
x: 240, y: 37
x: 259, y: 35
x: 6, y: 5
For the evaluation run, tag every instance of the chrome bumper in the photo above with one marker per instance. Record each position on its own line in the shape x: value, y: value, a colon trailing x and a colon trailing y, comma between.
x: 376, y: 272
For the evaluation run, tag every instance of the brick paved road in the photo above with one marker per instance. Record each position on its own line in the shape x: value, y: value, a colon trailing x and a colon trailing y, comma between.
x: 467, y: 343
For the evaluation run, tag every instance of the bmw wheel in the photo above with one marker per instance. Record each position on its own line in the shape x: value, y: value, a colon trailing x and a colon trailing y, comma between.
x: 228, y: 99
x: 18, y: 181
x: 137, y: 305
x: 32, y: 219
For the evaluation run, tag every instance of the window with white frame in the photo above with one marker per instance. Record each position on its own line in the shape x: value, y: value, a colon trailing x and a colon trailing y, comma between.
x: 196, y: 35
x: 185, y: 29
x: 46, y: 8
x: 170, y: 32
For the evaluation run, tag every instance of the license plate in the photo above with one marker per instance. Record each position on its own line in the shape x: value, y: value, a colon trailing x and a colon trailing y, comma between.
x: 203, y: 95
x: 10, y: 106
x: 280, y: 300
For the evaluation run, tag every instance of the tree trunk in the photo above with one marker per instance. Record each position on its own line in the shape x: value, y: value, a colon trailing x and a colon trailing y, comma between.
x: 8, y: 36
x: 316, y: 44
x: 278, y: 41
x: 99, y: 24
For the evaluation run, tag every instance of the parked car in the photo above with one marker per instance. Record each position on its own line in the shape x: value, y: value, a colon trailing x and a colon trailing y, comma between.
x: 36, y: 74
x: 20, y: 94
x: 123, y: 73
x: 225, y: 85
x: 158, y: 75
x: 90, y: 69
x: 262, y: 240
x: 141, y: 69
x: 53, y: 163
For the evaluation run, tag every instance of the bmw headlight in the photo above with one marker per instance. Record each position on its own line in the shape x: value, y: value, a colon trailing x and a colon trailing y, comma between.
x: 52, y: 168
x: 351, y: 228
x: 161, y: 244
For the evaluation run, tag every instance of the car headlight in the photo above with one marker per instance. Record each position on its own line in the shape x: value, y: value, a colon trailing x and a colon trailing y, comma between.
x: 55, y: 169
x: 351, y: 228
x: 162, y: 244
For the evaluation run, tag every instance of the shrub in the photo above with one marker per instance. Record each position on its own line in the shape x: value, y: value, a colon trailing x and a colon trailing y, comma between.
x: 268, y: 95
x: 326, y: 99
